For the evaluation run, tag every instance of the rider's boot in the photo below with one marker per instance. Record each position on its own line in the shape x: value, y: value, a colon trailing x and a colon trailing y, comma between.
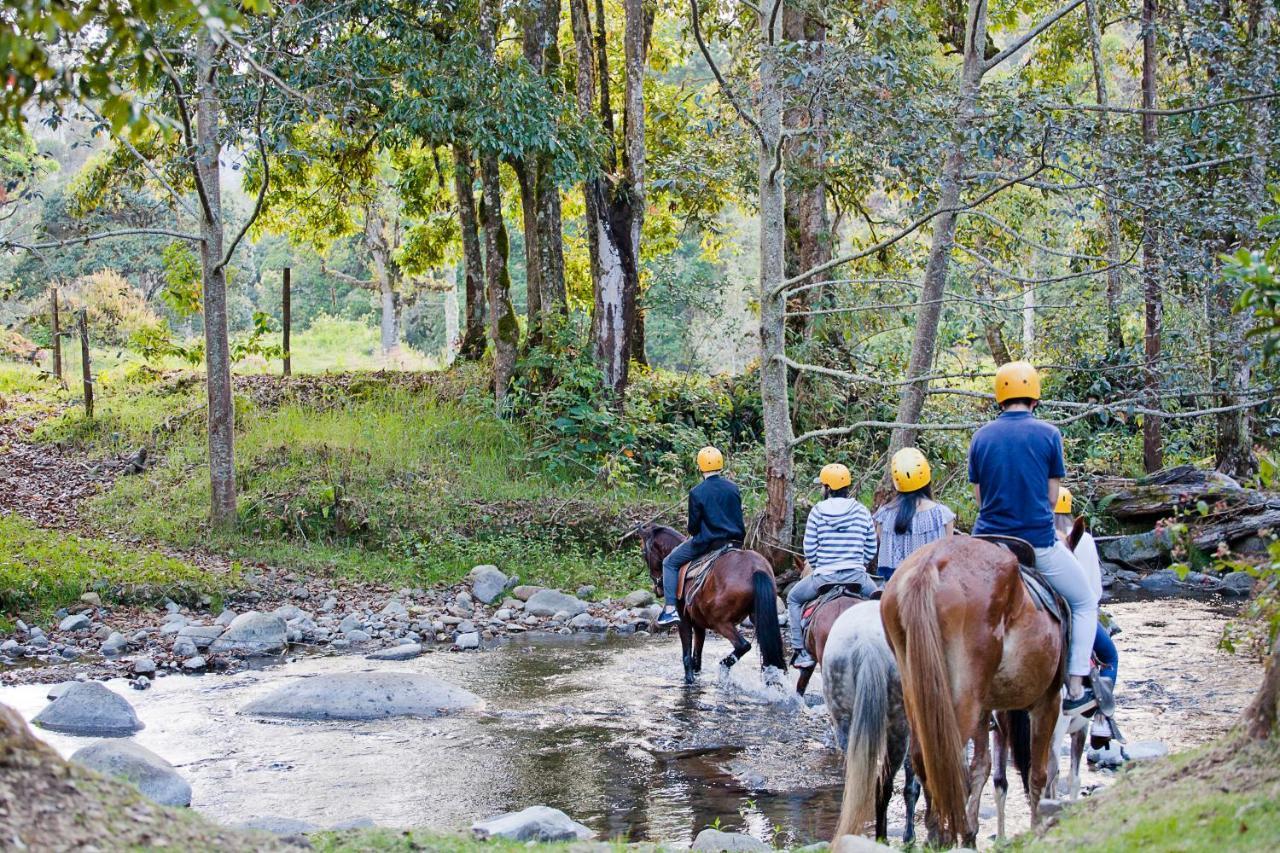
x: 1081, y: 705
x: 803, y: 660
x: 668, y: 617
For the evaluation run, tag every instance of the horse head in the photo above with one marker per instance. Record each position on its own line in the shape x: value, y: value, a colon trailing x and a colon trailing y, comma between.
x: 656, y: 542
x: 1077, y: 532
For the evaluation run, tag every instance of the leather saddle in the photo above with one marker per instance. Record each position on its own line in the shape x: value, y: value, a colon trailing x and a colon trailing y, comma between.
x: 694, y: 573
x: 1046, y: 598
x: 827, y: 594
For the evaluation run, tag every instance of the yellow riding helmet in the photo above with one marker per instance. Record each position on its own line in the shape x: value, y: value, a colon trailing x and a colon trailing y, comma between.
x: 834, y: 476
x: 1064, y: 501
x: 710, y: 459
x: 1015, y: 380
x: 911, y: 471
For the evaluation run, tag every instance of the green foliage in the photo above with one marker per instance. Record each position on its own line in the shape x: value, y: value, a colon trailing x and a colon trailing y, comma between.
x: 182, y: 278
x: 40, y: 573
x: 1259, y: 270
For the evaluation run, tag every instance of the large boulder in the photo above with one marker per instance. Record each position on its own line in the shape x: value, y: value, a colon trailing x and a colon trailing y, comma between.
x: 1143, y: 549
x: 536, y: 823
x: 549, y: 602
x: 363, y: 696
x: 89, y: 709
x: 715, y: 841
x: 253, y: 633
x: 487, y: 583
x: 404, y: 651
x: 139, y: 766
x: 639, y: 598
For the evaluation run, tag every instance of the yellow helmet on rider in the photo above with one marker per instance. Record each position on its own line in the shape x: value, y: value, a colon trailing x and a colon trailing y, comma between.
x: 1017, y: 380
x: 1063, y: 506
x: 835, y: 477
x: 911, y: 471
x: 710, y: 460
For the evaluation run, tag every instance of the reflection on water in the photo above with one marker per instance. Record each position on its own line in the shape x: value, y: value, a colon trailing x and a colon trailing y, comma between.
x: 603, y: 729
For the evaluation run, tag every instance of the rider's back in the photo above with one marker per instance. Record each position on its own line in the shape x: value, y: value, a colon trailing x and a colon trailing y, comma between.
x: 1012, y: 460
x: 715, y: 513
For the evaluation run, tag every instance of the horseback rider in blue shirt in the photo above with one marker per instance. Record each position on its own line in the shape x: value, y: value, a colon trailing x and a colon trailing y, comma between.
x: 715, y: 520
x: 1016, y: 468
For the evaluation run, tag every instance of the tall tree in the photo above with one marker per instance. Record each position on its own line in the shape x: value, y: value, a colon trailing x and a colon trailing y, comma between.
x: 1153, y: 298
x: 473, y: 334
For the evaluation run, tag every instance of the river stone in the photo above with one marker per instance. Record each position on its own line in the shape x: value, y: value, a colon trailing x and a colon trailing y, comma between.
x: 57, y: 690
x: 253, y: 633
x: 202, y: 635
x: 858, y: 844
x: 715, y: 841
x: 141, y: 767
x: 225, y: 618
x: 363, y: 696
x: 194, y: 664
x: 487, y: 583
x: 358, y: 636
x: 1163, y: 582
x: 1145, y: 750
x: 549, y: 602
x: 587, y: 622
x: 75, y: 622
x: 395, y: 610
x: 277, y: 825
x: 536, y: 823
x: 405, y: 651
x: 11, y: 647
x: 351, y: 622
x: 289, y: 612
x: 114, y: 645
x: 524, y: 593
x: 1144, y: 548
x: 88, y: 708
x: 144, y: 666
x: 184, y: 647
x: 469, y: 640
x: 1237, y: 583
x: 639, y: 598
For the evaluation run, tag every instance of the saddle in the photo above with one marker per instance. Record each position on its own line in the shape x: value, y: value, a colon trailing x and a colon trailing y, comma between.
x: 826, y: 594
x: 1046, y: 598
x: 694, y: 573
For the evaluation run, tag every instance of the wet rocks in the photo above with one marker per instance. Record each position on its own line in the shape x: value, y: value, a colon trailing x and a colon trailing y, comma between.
x: 524, y: 593
x: 148, y: 772
x: 468, y: 640
x: 536, y: 823
x: 114, y: 645
x: 143, y: 666
x: 487, y: 583
x: 253, y: 633
x: 201, y: 636
x: 88, y: 708
x: 549, y: 602
x: 639, y: 598
x: 587, y: 622
x: 715, y: 841
x: 405, y: 651
x: 1237, y: 583
x: 75, y: 622
x: 363, y: 696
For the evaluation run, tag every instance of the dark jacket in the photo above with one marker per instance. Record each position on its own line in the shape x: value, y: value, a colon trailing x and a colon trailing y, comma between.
x: 715, y: 514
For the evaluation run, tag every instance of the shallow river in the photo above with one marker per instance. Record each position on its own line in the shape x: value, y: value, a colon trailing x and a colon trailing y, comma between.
x: 603, y: 729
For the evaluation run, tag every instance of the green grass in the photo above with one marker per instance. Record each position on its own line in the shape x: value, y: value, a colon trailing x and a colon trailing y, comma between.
x: 1225, y: 796
x: 407, y: 481
x: 41, y: 571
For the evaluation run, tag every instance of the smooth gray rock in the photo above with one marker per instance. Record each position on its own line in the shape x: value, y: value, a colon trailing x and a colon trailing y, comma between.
x: 715, y: 841
x: 225, y: 618
x: 536, y: 823
x: 139, y: 766
x: 11, y: 647
x: 858, y: 844
x: 469, y: 640
x: 277, y: 825
x: 1237, y: 583
x: 358, y: 636
x: 57, y: 690
x: 202, y: 635
x: 549, y: 602
x: 253, y: 633
x: 184, y: 647
x: 144, y: 666
x: 639, y: 598
x: 88, y: 708
x: 524, y: 593
x: 1163, y: 582
x: 405, y: 651
x: 75, y: 622
x: 587, y: 622
x: 351, y: 622
x: 363, y: 696
x: 114, y: 645
x: 395, y: 610
x: 194, y: 664
x: 1144, y: 548
x: 1145, y: 750
x: 487, y: 583
x: 289, y: 612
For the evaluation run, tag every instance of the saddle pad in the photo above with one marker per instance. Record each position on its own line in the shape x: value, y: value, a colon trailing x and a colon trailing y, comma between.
x: 694, y: 574
x: 828, y: 594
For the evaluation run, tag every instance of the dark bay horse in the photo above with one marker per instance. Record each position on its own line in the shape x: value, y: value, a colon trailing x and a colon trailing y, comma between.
x: 815, y: 639
x: 740, y: 584
x: 1000, y: 653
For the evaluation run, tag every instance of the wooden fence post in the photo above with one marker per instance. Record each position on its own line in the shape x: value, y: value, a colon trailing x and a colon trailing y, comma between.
x: 287, y: 322
x: 85, y: 367
x: 57, y: 336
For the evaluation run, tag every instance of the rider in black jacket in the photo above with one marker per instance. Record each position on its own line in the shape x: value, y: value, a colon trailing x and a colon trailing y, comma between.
x: 715, y: 519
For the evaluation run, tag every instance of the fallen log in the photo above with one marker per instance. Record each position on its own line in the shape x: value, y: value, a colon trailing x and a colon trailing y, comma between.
x: 1179, y: 490
x: 1206, y: 537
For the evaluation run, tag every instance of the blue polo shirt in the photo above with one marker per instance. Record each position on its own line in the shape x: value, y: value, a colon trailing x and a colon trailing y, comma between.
x: 1012, y: 459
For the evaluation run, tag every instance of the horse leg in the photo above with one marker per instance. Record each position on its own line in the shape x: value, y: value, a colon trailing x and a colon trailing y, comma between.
x: 1044, y: 717
x: 895, y: 751
x: 911, y: 795
x: 1077, y: 752
x: 979, y: 770
x: 699, y: 637
x: 1000, y: 778
x: 740, y: 644
x: 686, y: 642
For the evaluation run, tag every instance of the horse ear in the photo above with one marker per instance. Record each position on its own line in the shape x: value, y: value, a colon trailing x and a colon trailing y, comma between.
x: 1077, y: 531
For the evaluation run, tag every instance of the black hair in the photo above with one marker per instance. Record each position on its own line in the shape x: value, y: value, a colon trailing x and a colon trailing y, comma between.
x: 907, y: 505
x: 1014, y: 401
x: 838, y: 493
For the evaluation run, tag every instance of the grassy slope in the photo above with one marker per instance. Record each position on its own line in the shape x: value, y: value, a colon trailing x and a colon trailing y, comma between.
x: 406, y: 478
x: 1222, y: 797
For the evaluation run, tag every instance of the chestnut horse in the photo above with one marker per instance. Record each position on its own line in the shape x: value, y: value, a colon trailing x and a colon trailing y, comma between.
x: 1001, y: 653
x: 815, y: 639
x: 740, y: 584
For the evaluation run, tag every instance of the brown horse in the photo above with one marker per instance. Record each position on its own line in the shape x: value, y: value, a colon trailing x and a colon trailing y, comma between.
x: 1000, y: 653
x: 815, y: 640
x: 739, y: 585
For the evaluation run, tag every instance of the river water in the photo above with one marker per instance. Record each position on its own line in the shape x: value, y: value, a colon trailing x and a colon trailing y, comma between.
x: 604, y: 729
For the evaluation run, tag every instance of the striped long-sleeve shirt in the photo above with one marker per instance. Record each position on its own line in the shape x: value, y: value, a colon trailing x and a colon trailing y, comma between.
x: 839, y: 536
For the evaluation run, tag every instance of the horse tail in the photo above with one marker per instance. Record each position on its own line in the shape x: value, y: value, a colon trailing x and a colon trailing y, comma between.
x: 1020, y: 745
x: 867, y: 671
x: 926, y: 687
x: 765, y: 619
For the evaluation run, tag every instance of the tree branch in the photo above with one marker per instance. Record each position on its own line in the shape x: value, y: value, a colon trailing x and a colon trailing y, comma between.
x: 1174, y: 111
x: 343, y: 277
x: 262, y: 190
x: 146, y: 164
x: 105, y: 235
x: 1022, y: 41
x: 695, y: 14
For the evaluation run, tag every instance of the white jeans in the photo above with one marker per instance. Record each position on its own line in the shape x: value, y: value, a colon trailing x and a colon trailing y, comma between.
x: 1064, y: 574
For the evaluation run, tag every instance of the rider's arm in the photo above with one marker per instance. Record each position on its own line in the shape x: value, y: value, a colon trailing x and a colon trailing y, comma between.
x: 695, y: 516
x: 977, y: 494
x: 1054, y: 485
x: 870, y: 545
x: 951, y: 525
x: 811, y: 538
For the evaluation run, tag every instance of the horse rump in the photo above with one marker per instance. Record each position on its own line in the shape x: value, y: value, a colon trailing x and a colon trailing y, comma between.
x: 858, y: 678
x: 765, y: 619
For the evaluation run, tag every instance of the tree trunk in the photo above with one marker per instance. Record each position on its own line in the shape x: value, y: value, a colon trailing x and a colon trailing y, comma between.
x: 390, y: 325
x: 776, y: 528
x: 1029, y: 323
x: 551, y: 245
x: 222, y: 471
x: 450, y: 307
x: 1260, y: 716
x: 541, y: 49
x: 1152, y: 447
x: 472, y: 345
x: 526, y: 176
x: 504, y: 331
x: 638, y: 354
x: 387, y: 276
x: 1110, y: 219
x: 992, y: 325
x: 911, y: 398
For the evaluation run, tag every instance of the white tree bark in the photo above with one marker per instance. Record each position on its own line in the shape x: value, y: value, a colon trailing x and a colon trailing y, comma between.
x: 451, y: 340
